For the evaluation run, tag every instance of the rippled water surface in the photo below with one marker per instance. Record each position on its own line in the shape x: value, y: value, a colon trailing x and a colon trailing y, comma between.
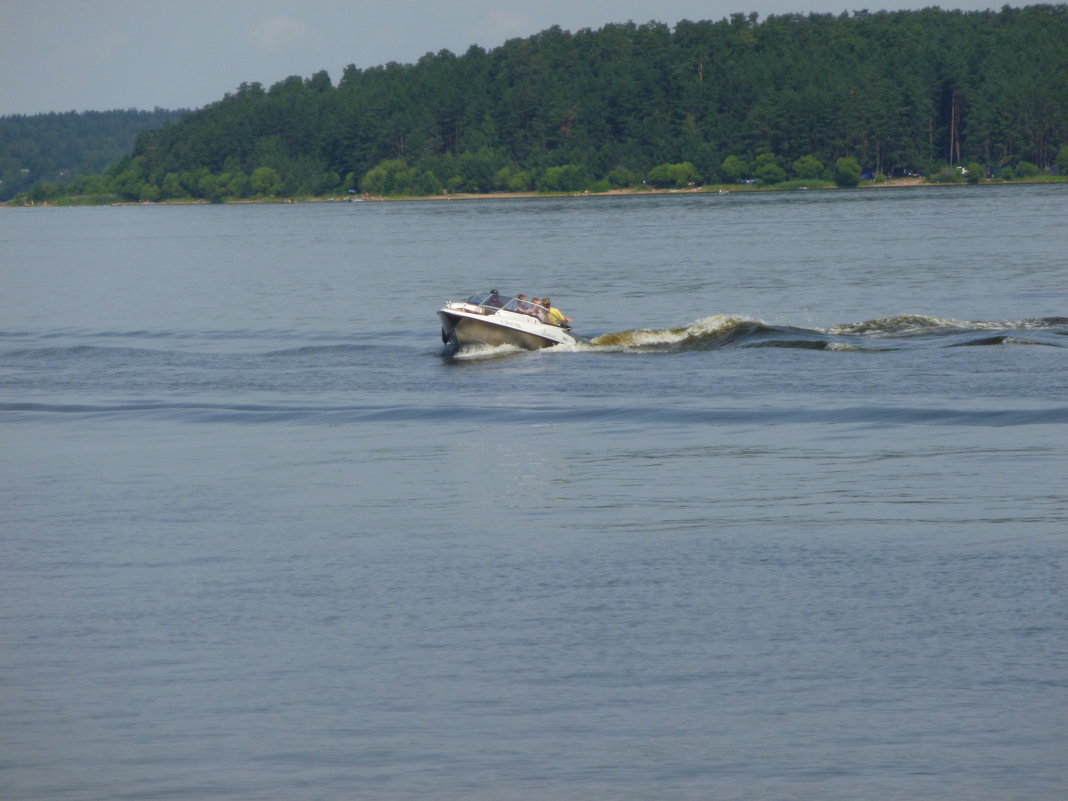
x: 788, y: 522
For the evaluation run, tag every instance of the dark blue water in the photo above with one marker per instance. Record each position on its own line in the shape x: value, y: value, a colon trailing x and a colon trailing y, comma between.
x: 790, y: 522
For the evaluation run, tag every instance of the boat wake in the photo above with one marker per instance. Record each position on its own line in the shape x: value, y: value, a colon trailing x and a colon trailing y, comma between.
x: 899, y: 332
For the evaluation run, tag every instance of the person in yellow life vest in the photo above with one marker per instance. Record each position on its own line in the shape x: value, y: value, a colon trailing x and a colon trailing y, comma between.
x: 556, y: 317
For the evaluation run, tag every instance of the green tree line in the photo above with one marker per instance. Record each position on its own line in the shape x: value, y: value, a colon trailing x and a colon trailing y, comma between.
x: 799, y: 97
x: 56, y: 148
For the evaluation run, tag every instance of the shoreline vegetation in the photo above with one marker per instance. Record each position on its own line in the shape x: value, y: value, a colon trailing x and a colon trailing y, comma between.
x: 640, y: 191
x: 743, y: 104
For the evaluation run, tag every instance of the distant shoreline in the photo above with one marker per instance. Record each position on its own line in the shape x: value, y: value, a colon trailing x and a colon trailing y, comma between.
x: 712, y: 189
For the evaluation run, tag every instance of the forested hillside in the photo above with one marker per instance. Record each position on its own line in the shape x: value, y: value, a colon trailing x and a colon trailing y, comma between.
x: 730, y: 100
x: 58, y: 147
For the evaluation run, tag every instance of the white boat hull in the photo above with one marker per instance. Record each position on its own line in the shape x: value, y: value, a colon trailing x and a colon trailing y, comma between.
x: 465, y: 325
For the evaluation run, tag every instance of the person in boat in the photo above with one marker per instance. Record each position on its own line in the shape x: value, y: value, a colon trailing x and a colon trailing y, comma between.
x: 495, y: 299
x: 555, y: 316
x: 522, y: 305
x: 539, y: 311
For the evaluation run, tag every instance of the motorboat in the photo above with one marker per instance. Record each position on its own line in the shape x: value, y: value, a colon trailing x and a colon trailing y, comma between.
x: 489, y: 318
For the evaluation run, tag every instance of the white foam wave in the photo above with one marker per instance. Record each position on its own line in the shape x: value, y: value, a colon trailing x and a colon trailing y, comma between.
x: 475, y: 352
x: 715, y: 323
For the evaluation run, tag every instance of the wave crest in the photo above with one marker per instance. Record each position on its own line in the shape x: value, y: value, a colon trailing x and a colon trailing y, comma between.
x: 714, y: 327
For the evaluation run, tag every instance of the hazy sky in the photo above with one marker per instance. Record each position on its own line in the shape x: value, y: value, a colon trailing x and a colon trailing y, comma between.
x: 63, y: 55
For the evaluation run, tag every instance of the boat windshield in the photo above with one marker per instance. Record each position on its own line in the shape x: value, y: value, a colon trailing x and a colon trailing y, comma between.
x: 495, y: 300
x: 492, y: 299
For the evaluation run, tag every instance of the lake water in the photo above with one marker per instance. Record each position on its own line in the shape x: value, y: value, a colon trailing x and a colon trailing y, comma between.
x: 789, y: 523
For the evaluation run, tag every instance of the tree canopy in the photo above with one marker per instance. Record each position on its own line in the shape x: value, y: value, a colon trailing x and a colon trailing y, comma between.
x: 59, y: 147
x: 737, y: 99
